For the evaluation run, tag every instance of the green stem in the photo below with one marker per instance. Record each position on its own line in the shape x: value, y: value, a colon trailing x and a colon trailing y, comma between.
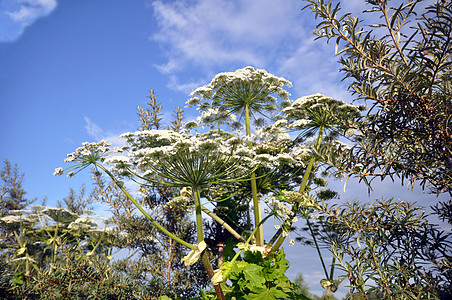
x: 328, y: 290
x: 222, y: 223
x: 278, y: 237
x: 156, y: 224
x: 332, y: 267
x: 197, y: 197
x: 317, y: 247
x: 204, y: 256
x: 98, y: 242
x: 249, y: 239
x: 256, y: 201
x: 304, y: 182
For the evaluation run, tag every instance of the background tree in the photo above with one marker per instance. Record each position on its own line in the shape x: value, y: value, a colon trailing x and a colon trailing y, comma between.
x: 53, y: 253
x: 12, y: 196
x: 304, y: 289
x: 77, y: 203
x: 404, y: 74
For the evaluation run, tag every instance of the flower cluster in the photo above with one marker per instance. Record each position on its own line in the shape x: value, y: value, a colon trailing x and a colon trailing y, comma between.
x: 151, y: 148
x: 249, y: 75
x: 229, y: 92
x: 212, y: 116
x: 296, y: 197
x: 183, y: 159
x: 318, y: 110
x: 88, y: 149
x: 83, y: 156
x: 280, y: 209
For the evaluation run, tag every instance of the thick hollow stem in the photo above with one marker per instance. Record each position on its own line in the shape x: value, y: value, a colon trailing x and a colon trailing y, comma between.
x: 210, y: 272
x: 222, y: 223
x: 256, y: 201
x: 197, y: 198
x: 141, y: 209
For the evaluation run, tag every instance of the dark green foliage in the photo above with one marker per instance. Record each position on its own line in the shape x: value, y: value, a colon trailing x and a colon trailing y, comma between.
x: 12, y: 194
x: 403, y: 71
x: 392, y: 243
x: 258, y: 278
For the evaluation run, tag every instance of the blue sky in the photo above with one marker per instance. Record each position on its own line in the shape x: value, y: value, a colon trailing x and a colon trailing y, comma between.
x: 74, y: 71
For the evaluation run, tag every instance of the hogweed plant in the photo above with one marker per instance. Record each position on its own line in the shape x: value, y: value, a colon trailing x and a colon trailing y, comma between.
x: 48, y: 250
x: 213, y: 167
x: 246, y: 92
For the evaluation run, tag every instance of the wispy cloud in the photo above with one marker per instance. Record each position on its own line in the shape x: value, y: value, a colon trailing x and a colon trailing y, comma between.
x: 93, y: 129
x: 16, y: 15
x: 97, y: 133
x: 208, y: 32
x: 217, y: 35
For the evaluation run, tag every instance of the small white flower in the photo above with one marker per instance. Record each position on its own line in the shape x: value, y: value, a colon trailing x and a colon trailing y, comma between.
x: 58, y: 171
x: 291, y: 242
x: 85, y: 152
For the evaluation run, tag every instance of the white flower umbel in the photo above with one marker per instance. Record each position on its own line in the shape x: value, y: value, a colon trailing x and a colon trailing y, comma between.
x: 184, y: 160
x: 248, y: 92
x: 229, y: 92
x: 309, y: 113
x: 84, y: 156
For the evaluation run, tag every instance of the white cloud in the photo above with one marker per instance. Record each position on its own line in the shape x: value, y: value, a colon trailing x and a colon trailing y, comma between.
x: 97, y: 133
x: 93, y: 129
x: 16, y: 15
x: 206, y: 32
x: 212, y: 36
x: 186, y: 88
x: 313, y: 69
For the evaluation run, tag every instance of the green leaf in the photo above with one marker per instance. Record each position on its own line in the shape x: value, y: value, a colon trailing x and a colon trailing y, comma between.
x: 262, y: 296
x: 272, y: 293
x: 254, y: 277
x: 18, y: 278
x: 21, y: 250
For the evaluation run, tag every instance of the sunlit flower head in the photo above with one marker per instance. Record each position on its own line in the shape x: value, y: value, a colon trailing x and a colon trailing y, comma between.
x: 309, y: 113
x: 228, y: 93
x: 88, y: 154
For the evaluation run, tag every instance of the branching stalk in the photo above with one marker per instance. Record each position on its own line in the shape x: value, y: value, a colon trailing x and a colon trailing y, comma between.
x: 140, y: 208
x: 286, y: 225
x: 222, y: 223
x: 256, y: 201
